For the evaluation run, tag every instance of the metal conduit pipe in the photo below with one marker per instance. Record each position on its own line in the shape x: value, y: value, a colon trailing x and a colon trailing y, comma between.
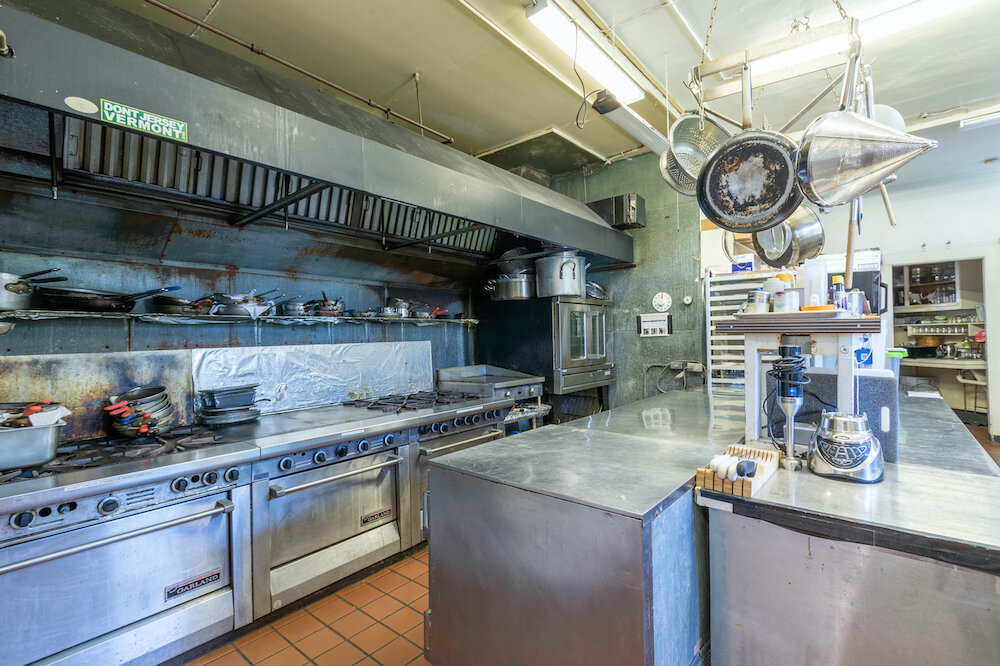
x: 281, y: 61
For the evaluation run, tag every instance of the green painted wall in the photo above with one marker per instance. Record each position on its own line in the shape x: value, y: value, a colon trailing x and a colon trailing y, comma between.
x: 667, y: 258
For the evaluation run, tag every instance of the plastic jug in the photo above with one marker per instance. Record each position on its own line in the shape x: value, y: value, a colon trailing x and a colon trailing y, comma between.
x: 812, y: 278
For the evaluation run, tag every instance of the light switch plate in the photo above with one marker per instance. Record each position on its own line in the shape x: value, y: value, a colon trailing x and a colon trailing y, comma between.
x: 654, y: 325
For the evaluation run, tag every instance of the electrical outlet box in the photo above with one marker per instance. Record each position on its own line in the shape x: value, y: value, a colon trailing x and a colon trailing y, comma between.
x: 678, y: 365
x: 654, y: 325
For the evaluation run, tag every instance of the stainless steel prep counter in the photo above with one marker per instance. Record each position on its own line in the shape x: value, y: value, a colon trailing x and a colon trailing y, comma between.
x: 529, y: 501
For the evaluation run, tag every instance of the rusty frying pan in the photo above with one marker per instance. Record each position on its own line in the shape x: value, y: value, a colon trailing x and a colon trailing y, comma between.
x: 748, y: 183
x: 86, y: 300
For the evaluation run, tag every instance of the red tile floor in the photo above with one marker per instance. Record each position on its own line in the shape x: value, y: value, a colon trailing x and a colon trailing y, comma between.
x: 376, y: 620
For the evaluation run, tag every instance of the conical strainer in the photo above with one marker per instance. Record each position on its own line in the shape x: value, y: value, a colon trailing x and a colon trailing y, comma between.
x: 843, y: 155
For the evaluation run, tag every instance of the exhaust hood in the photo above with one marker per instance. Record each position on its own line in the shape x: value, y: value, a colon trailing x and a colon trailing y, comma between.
x: 96, y: 62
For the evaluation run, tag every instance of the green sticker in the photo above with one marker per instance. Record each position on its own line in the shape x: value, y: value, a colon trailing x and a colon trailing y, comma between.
x: 143, y: 121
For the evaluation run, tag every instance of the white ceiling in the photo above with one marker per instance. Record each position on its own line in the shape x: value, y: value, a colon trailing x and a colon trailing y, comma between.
x: 484, y: 90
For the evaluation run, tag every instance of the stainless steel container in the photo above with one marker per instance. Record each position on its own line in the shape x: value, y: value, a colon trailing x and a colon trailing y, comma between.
x: 758, y: 302
x: 562, y: 274
x: 512, y: 264
x: 798, y: 238
x: 24, y: 447
x: 512, y: 288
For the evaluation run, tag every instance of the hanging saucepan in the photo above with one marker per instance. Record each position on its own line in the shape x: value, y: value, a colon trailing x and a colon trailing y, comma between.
x: 86, y: 300
x: 748, y: 183
x: 792, y: 241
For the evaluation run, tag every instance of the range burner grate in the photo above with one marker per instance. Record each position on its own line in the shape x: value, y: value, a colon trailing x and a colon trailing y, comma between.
x: 73, y: 456
x: 412, y: 401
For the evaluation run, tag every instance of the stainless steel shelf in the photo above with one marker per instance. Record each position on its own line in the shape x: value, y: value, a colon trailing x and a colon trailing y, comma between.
x: 172, y: 319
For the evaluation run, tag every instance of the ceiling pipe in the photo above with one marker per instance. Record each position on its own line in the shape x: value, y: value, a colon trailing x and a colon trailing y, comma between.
x: 281, y: 61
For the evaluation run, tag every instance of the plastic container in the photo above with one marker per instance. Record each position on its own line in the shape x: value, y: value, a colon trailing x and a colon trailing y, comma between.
x: 894, y: 357
x: 812, y: 278
x: 838, y: 295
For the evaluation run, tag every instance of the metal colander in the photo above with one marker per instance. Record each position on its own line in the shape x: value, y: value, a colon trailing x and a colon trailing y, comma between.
x: 691, y: 144
x: 675, y: 176
x: 843, y: 155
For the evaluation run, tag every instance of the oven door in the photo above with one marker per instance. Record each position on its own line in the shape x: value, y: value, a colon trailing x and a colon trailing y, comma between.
x: 580, y: 335
x: 318, y: 526
x: 123, y: 589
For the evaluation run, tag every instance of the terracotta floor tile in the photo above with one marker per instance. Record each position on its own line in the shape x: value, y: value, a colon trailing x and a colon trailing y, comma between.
x: 214, y: 654
x: 373, y: 638
x: 397, y: 653
x: 332, y: 611
x: 411, y: 568
x: 319, y: 603
x: 300, y: 627
x: 352, y: 623
x: 362, y: 594
x: 420, y: 661
x: 403, y: 620
x: 262, y: 648
x: 416, y: 635
x: 230, y: 659
x: 344, y: 654
x: 420, y: 605
x: 422, y: 555
x: 287, y: 657
x: 386, y: 580
x: 291, y: 617
x: 382, y: 607
x: 253, y: 635
x: 319, y: 642
x: 422, y: 579
x: 409, y: 592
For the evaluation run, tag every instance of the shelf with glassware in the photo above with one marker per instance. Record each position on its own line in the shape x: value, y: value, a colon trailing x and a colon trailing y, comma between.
x: 939, y: 286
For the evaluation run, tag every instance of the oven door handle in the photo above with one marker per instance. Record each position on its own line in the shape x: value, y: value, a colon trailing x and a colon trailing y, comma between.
x: 221, y: 506
x: 278, y: 491
x: 491, y: 435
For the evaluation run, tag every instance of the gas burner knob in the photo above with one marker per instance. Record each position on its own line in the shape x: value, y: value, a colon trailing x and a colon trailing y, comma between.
x: 341, y: 450
x: 487, y: 415
x: 444, y: 428
x: 319, y: 457
x: 210, y: 478
x: 67, y: 507
x: 22, y: 519
x: 389, y: 440
x: 436, y: 427
x: 507, y: 394
x: 422, y: 430
x: 363, y: 446
x: 108, y: 505
x: 457, y: 422
x: 179, y: 485
x: 476, y: 418
x: 232, y: 475
x: 467, y: 420
x: 285, y: 464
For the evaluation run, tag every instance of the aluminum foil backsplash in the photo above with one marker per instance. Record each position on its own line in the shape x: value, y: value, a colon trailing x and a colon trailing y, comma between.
x: 297, y: 376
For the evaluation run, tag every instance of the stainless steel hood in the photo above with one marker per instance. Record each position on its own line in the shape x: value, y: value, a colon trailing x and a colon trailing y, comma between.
x: 93, y: 51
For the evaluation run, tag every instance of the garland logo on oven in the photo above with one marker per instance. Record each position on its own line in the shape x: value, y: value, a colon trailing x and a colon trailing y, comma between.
x: 189, y: 585
x: 375, y: 517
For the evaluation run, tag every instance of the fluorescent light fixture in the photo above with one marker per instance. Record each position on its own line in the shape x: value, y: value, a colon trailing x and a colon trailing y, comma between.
x: 980, y: 121
x: 910, y: 16
x: 630, y: 122
x: 805, y: 53
x: 558, y: 27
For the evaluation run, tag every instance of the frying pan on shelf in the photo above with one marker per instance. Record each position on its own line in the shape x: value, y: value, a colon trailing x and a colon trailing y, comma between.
x: 87, y: 300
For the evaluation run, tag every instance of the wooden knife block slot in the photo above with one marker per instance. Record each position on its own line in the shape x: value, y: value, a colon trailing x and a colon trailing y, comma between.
x: 767, y: 464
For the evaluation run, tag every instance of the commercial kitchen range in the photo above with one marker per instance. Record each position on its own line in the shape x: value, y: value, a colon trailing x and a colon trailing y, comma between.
x: 144, y: 552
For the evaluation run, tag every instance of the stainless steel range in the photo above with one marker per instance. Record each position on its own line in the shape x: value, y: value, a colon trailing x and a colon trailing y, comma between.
x: 326, y: 507
x: 118, y: 553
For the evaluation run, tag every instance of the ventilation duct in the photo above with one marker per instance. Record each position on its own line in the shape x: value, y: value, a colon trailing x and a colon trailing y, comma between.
x: 232, y: 109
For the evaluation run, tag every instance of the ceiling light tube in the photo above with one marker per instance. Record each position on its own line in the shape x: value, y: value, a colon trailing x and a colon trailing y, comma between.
x: 910, y: 16
x: 629, y: 121
x: 555, y: 24
x: 979, y: 121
